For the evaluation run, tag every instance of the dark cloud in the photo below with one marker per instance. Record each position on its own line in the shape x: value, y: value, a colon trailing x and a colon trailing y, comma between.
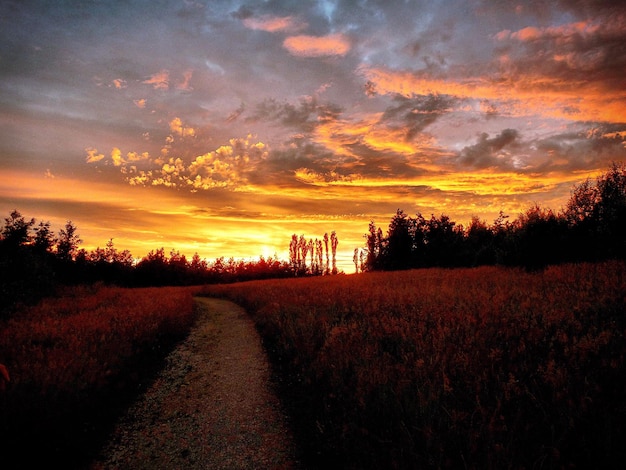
x: 304, y: 116
x: 416, y: 113
x: 236, y: 113
x: 242, y: 13
x: 589, y: 8
x: 589, y: 51
x: 492, y: 152
x: 594, y: 146
x: 581, y: 147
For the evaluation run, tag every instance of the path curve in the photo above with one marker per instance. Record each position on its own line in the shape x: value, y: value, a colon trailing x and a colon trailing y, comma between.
x: 212, y: 406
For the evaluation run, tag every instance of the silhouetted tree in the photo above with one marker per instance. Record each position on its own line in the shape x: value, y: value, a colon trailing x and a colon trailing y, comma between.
x: 44, y: 238
x: 294, y: 253
x: 327, y: 269
x: 334, y: 242
x: 16, y: 230
x: 311, y: 250
x: 539, y: 238
x: 399, y: 242
x: 479, y: 245
x: 67, y: 243
x: 374, y: 247
x: 611, y: 211
x: 25, y: 266
x: 319, y: 250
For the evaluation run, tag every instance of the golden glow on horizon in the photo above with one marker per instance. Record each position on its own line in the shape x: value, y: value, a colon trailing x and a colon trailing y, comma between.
x: 164, y: 219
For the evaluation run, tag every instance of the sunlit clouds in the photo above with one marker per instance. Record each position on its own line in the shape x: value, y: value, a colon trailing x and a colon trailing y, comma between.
x: 177, y: 127
x: 311, y: 46
x: 159, y: 80
x: 228, y: 166
x: 273, y: 24
x: 225, y: 127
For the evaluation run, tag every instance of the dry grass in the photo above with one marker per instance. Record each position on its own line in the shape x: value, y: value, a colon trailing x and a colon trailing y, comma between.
x: 476, y: 368
x: 76, y: 360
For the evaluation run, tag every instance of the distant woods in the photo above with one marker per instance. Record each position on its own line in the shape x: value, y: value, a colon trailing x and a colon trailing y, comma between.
x: 591, y: 227
x: 34, y: 261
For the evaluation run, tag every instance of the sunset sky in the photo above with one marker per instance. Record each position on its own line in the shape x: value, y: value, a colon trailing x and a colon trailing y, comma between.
x: 223, y: 127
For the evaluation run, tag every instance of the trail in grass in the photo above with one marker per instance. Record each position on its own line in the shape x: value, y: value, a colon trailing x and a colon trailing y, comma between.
x: 212, y: 407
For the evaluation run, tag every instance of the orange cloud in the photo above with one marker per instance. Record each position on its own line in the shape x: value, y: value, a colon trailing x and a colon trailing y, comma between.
x: 160, y: 80
x: 226, y: 167
x: 317, y: 46
x: 273, y: 24
x: 523, y: 95
x: 184, y: 85
x: 116, y: 157
x: 177, y: 127
x: 93, y: 155
x: 532, y: 33
x: 140, y: 103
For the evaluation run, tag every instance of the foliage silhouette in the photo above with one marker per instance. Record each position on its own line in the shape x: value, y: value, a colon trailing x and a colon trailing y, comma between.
x: 34, y: 263
x: 592, y: 227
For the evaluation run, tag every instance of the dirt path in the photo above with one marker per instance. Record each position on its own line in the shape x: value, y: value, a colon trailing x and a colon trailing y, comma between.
x: 212, y: 407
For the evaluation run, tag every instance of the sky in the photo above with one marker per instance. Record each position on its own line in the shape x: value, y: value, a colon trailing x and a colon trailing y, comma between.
x: 223, y: 127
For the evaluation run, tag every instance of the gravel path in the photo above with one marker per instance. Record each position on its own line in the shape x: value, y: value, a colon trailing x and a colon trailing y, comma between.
x: 212, y: 407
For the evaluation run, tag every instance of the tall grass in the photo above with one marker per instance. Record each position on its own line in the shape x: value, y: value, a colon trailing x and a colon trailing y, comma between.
x: 75, y: 361
x: 466, y: 368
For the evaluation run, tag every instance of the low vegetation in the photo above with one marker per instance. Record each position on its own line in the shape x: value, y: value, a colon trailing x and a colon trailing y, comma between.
x: 73, y: 363
x: 467, y: 368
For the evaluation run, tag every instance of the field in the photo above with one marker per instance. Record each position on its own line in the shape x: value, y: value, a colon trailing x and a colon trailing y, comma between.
x: 464, y: 368
x: 75, y: 362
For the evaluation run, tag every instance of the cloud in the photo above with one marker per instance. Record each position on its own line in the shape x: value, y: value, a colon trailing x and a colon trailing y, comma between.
x: 498, y: 151
x: 159, y: 80
x: 116, y: 157
x: 308, y: 176
x: 582, y: 147
x: 141, y: 103
x: 137, y: 157
x: 317, y: 46
x: 215, y: 68
x: 413, y: 115
x: 273, y: 24
x: 228, y: 166
x: 92, y: 155
x: 565, y: 32
x: 177, y: 127
x: 304, y: 116
x: 576, y: 149
x: 520, y: 89
x: 589, y: 51
x: 232, y: 117
x: 185, y: 83
x: 119, y: 83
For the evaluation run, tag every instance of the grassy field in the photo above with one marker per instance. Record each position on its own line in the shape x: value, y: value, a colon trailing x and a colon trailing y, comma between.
x: 75, y: 362
x: 465, y: 368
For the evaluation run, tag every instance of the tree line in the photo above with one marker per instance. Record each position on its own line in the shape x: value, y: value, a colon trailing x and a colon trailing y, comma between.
x: 301, y: 250
x: 34, y: 261
x: 591, y: 227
